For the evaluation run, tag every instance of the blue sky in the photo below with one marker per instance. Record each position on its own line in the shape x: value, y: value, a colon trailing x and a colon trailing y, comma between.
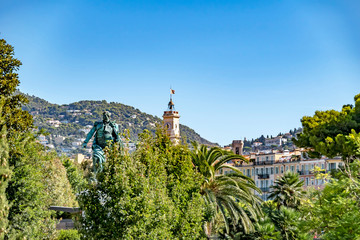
x: 239, y: 68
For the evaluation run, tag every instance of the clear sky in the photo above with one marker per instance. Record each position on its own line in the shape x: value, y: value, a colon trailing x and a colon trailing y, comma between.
x: 239, y: 68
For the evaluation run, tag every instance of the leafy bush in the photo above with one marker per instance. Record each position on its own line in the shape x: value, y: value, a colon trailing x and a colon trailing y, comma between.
x: 70, y: 234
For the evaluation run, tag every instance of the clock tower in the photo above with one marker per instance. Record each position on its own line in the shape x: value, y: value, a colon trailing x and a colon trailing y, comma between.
x: 171, y: 123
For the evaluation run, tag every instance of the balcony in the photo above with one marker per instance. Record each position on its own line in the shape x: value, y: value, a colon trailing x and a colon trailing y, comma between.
x: 302, y: 172
x: 269, y: 162
x: 263, y: 176
x: 264, y: 189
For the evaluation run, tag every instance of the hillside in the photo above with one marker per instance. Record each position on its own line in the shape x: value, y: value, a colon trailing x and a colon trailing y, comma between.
x: 74, y: 120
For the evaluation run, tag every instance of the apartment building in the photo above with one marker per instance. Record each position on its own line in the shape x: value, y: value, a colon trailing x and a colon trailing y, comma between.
x: 265, y: 167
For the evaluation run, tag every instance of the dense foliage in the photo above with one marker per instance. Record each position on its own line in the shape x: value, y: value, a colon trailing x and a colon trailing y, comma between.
x: 287, y: 190
x: 332, y: 133
x: 16, y: 119
x: 5, y: 174
x: 335, y: 211
x: 38, y: 178
x: 231, y: 195
x: 281, y: 218
x: 38, y: 181
x: 151, y: 194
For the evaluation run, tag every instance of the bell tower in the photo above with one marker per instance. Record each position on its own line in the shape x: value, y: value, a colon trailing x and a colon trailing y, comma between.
x: 171, y: 122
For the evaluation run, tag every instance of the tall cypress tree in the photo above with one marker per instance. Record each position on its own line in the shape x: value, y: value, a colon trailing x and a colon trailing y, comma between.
x: 16, y: 119
x: 13, y: 122
x: 5, y: 173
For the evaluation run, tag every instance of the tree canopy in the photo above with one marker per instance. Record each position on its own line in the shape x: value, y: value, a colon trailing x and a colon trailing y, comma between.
x: 151, y: 194
x: 333, y: 133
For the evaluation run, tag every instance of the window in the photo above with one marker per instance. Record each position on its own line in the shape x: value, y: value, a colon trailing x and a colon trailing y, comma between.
x: 272, y: 170
x: 332, y: 166
x: 282, y: 169
x: 277, y: 170
x: 271, y: 182
x: 322, y: 166
x: 262, y: 171
x: 266, y: 170
x: 237, y: 150
x: 257, y: 159
x: 252, y: 172
x: 287, y: 168
x: 272, y: 157
x: 257, y: 183
x: 248, y: 173
x: 292, y: 168
x: 267, y: 158
x: 307, y: 181
x: 312, y: 181
x: 257, y: 171
x: 297, y: 168
x: 244, y: 171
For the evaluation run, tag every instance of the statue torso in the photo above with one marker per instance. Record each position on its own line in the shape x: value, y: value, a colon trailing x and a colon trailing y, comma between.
x: 104, y: 133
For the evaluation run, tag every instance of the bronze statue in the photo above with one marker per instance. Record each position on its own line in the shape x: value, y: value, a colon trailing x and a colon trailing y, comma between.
x: 106, y: 132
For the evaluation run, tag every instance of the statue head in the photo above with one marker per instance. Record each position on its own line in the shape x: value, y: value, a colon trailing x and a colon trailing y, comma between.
x: 106, y: 116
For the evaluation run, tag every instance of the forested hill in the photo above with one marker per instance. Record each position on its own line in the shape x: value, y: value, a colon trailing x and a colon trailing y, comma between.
x: 76, y: 116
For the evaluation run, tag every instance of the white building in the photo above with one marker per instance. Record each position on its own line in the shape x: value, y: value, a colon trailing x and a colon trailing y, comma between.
x: 278, y: 141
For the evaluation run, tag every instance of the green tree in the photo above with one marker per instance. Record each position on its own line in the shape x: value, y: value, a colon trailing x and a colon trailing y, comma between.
x: 5, y: 174
x: 287, y: 190
x: 332, y: 133
x: 264, y: 230
x: 335, y: 210
x: 150, y: 194
x: 287, y: 222
x: 232, y: 195
x: 75, y: 176
x: 16, y: 119
x: 38, y: 181
x: 38, y: 178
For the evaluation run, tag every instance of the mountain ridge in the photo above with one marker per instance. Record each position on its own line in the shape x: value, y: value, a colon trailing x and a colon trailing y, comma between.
x: 74, y: 119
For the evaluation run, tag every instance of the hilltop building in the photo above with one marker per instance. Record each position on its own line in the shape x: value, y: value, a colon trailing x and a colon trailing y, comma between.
x: 276, y: 141
x: 171, y: 122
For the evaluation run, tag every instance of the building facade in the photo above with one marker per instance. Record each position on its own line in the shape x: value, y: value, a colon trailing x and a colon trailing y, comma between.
x: 265, y: 167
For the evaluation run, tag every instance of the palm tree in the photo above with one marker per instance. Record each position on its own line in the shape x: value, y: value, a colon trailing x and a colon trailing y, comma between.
x: 287, y: 190
x: 231, y: 195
